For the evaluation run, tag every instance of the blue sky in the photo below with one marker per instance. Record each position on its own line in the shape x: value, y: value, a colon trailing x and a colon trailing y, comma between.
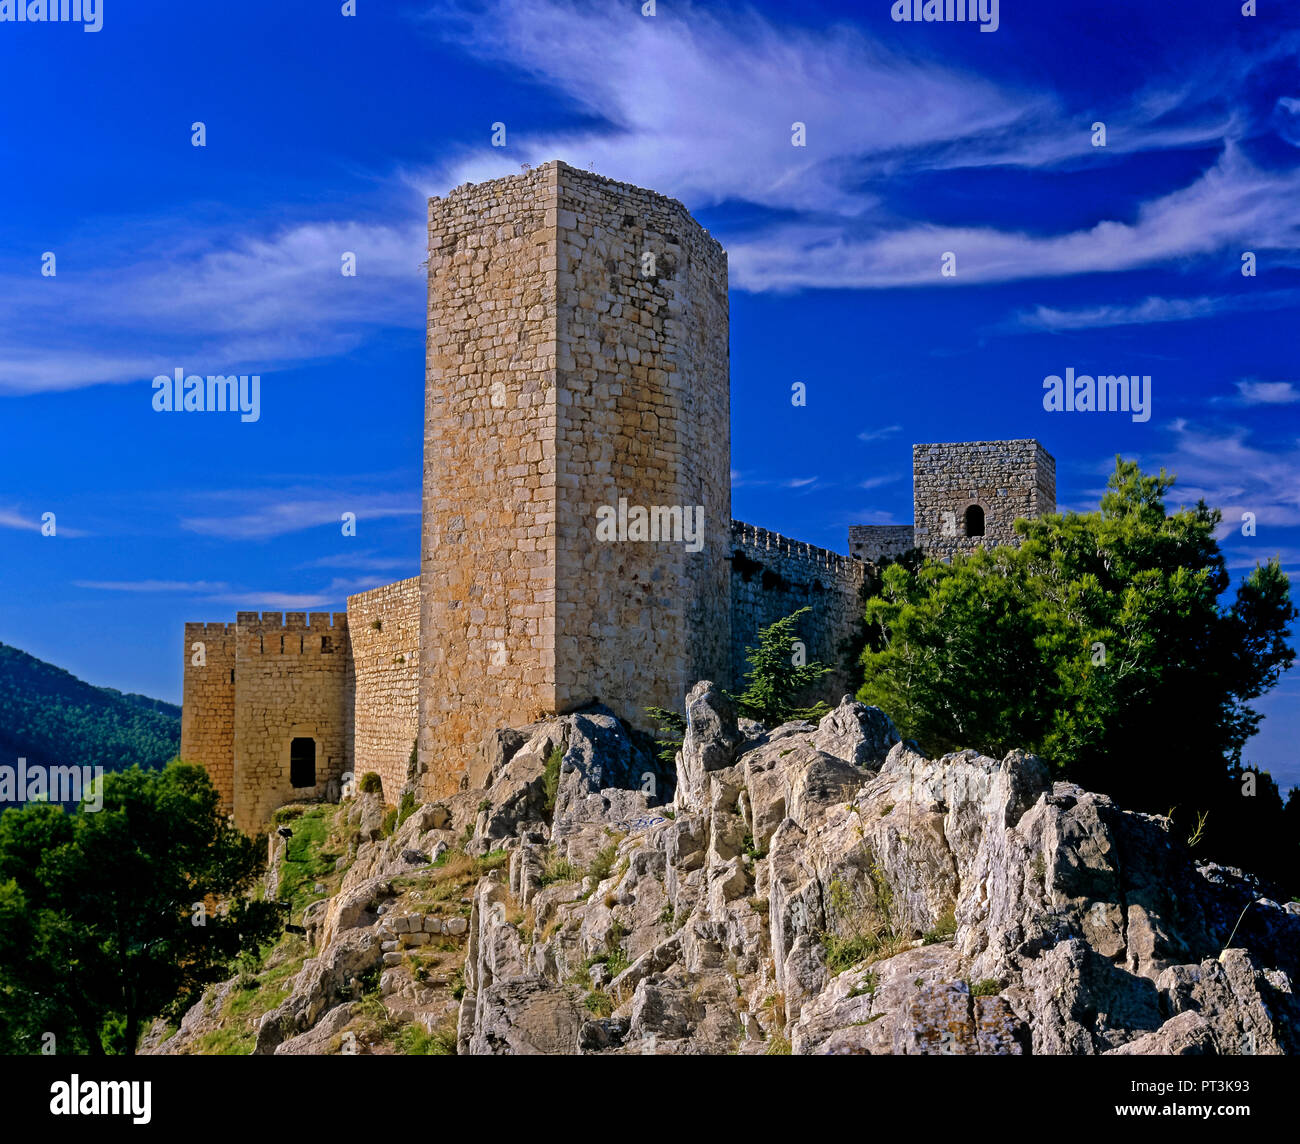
x: 325, y: 133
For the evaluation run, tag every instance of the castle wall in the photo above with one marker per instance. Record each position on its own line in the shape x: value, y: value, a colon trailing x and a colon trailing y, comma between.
x: 292, y: 679
x: 772, y: 576
x: 208, y: 705
x: 488, y: 551
x: 384, y: 627
x: 644, y: 418
x: 875, y: 542
x: 1006, y: 479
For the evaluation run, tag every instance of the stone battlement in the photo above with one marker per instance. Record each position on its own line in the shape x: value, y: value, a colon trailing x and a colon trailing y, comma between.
x: 268, y: 622
x: 755, y: 539
x: 197, y: 630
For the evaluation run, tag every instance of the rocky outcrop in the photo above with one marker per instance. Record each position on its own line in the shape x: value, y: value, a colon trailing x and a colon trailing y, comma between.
x: 828, y: 889
x: 816, y: 889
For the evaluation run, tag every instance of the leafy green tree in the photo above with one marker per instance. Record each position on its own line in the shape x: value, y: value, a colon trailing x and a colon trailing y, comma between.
x: 1102, y: 643
x: 98, y: 910
x: 775, y: 681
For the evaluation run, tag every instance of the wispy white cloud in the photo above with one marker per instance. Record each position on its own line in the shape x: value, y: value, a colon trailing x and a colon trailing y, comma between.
x: 876, y: 482
x: 31, y: 522
x: 701, y: 107
x: 335, y: 594
x: 1268, y: 392
x: 366, y: 561
x: 1222, y: 467
x: 798, y: 482
x: 879, y: 434
x: 251, y: 518
x: 220, y: 302
x: 1234, y: 205
x: 1142, y: 313
x: 152, y: 585
x: 1153, y: 310
x: 12, y: 519
x: 279, y: 601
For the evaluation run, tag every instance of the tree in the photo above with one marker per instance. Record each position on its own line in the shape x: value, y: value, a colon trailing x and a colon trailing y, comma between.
x: 98, y: 910
x: 1101, y: 643
x: 776, y: 679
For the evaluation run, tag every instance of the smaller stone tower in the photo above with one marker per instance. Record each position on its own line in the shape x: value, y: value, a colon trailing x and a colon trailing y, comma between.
x: 968, y: 494
x: 293, y: 724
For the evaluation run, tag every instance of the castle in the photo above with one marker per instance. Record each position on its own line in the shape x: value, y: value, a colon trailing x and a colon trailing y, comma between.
x: 576, y: 372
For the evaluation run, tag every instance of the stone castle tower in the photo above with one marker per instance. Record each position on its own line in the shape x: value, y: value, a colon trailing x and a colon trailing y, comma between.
x: 965, y: 495
x: 577, y: 359
x: 577, y: 540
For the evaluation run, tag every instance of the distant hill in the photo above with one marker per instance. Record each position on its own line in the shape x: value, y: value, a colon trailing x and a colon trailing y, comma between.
x: 51, y: 718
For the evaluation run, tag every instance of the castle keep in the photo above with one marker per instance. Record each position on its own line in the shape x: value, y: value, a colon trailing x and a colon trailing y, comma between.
x: 577, y: 367
x: 577, y: 357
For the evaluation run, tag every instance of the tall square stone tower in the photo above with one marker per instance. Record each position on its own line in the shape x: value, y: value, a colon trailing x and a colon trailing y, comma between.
x: 577, y: 377
x: 968, y: 494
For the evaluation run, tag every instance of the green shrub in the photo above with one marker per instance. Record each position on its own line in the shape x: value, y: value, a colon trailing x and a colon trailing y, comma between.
x: 406, y: 807
x: 603, y: 864
x: 989, y: 987
x: 371, y: 783
x: 617, y: 961
x: 414, y: 1041
x: 551, y: 779
x: 557, y: 869
x: 778, y: 1045
x: 599, y: 1003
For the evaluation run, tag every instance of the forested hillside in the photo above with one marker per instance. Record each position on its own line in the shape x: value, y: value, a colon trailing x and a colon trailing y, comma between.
x: 50, y: 717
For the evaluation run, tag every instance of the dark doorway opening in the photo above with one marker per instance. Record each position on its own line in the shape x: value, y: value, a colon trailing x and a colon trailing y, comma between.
x: 974, y: 521
x: 302, y: 762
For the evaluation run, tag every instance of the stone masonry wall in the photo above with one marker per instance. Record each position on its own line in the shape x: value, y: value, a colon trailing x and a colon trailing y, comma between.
x: 384, y: 626
x: 1007, y: 479
x: 874, y: 542
x: 487, y: 619
x: 293, y: 679
x: 772, y: 576
x: 208, y: 705
x: 644, y: 417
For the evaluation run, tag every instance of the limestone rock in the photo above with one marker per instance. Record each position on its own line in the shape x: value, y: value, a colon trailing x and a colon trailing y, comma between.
x: 527, y: 1015
x: 711, y: 742
x: 856, y: 733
